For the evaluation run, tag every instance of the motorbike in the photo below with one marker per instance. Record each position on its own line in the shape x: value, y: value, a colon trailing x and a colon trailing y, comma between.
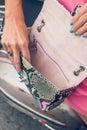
x: 17, y: 94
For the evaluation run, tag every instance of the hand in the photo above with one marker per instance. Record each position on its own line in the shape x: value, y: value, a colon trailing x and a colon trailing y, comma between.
x: 79, y: 22
x: 15, y: 40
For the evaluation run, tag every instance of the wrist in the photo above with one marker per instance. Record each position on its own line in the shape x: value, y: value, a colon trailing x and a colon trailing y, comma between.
x: 13, y: 8
x: 17, y: 12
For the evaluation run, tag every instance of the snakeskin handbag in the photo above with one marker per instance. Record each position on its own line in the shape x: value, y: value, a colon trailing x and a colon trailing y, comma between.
x: 58, y: 58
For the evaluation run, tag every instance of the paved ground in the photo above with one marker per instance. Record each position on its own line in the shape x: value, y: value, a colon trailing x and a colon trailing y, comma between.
x: 11, y: 119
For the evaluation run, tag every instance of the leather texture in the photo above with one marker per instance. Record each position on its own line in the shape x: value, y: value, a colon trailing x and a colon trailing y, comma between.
x: 60, y: 56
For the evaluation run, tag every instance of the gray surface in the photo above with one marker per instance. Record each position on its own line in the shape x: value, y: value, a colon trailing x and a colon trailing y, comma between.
x: 11, y: 119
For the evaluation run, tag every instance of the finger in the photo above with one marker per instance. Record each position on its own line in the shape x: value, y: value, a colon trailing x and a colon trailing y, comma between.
x: 84, y: 35
x: 4, y: 47
x: 16, y: 58
x: 82, y: 30
x: 79, y: 13
x: 10, y: 55
x: 80, y: 22
x: 26, y: 53
x: 7, y: 46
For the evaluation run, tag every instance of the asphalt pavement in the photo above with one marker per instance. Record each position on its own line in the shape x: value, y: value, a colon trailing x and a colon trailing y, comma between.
x: 12, y: 119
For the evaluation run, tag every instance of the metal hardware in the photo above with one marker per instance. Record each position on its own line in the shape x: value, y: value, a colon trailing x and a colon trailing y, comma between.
x: 33, y: 45
x: 40, y: 27
x: 81, y: 69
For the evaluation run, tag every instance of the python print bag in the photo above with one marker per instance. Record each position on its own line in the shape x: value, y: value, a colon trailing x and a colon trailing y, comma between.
x: 58, y: 58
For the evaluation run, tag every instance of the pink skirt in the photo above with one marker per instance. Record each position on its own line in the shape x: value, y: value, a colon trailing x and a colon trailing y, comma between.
x: 78, y: 100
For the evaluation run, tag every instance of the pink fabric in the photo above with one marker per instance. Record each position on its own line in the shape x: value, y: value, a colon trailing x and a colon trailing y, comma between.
x: 78, y: 100
x: 70, y: 4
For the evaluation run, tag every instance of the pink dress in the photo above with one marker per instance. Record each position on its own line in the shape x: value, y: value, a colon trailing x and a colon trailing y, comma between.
x: 78, y: 100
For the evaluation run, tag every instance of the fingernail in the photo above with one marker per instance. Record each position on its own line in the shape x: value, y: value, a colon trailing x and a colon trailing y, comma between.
x: 71, y: 23
x: 71, y: 30
x: 19, y: 73
x: 84, y: 36
x: 22, y: 76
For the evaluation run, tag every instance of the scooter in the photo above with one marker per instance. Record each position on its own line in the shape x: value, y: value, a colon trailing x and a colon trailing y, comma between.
x: 17, y: 94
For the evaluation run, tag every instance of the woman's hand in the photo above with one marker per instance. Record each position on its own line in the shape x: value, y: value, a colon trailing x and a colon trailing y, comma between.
x: 15, y: 40
x: 79, y: 22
